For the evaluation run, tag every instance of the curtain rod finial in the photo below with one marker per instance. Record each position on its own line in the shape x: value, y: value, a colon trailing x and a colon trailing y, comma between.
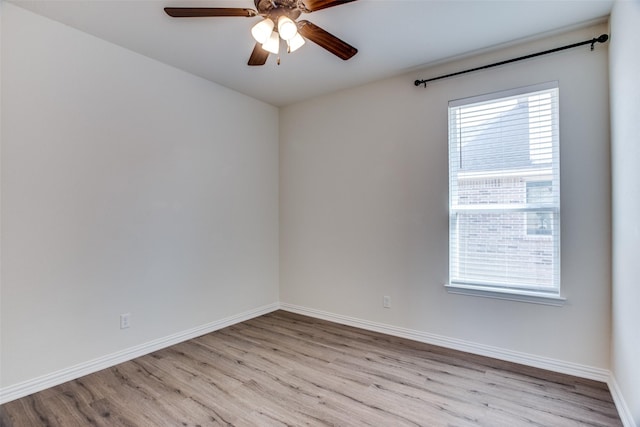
x: 603, y: 38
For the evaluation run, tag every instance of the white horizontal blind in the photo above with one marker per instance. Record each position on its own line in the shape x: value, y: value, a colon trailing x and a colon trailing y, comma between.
x: 504, y: 191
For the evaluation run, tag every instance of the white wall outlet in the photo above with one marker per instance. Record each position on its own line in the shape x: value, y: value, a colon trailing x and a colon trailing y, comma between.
x: 386, y: 301
x: 125, y: 320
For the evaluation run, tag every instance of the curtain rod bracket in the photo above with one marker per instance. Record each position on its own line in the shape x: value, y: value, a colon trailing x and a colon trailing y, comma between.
x: 602, y: 39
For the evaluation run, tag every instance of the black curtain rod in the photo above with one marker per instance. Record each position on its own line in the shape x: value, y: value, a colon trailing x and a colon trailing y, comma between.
x: 602, y: 39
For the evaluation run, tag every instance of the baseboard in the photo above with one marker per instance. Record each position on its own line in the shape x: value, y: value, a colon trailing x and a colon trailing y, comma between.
x: 535, y: 361
x: 26, y: 388
x: 621, y: 404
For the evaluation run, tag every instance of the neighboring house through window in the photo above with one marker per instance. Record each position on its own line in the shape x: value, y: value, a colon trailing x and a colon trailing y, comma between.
x: 504, y: 185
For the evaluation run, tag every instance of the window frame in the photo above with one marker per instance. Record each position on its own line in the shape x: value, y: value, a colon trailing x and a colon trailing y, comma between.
x: 518, y: 292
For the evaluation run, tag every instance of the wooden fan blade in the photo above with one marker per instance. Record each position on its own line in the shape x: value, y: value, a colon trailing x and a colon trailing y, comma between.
x: 258, y: 56
x: 326, y: 40
x: 314, y: 5
x: 199, y: 12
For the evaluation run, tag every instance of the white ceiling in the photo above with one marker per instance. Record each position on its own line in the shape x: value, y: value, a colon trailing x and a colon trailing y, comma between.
x: 392, y: 36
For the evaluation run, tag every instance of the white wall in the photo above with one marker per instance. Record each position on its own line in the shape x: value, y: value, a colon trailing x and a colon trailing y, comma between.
x: 363, y: 206
x: 1, y: 19
x: 625, y: 141
x: 127, y: 186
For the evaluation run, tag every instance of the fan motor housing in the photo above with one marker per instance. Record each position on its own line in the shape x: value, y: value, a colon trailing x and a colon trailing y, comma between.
x: 276, y: 8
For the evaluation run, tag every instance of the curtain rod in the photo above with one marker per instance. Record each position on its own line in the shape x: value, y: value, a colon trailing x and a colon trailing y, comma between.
x: 602, y: 39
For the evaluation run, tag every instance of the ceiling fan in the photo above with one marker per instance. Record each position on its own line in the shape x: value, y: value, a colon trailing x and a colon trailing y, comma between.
x: 279, y: 22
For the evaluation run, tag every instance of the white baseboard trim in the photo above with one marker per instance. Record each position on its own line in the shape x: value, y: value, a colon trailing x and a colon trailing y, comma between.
x: 26, y: 388
x: 621, y: 404
x: 532, y: 360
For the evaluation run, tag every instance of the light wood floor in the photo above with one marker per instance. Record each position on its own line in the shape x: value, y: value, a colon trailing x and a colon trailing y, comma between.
x: 283, y: 369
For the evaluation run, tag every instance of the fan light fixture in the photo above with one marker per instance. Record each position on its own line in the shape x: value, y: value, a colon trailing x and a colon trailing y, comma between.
x: 295, y: 43
x: 262, y: 30
x: 264, y: 33
x: 287, y: 28
x: 272, y: 44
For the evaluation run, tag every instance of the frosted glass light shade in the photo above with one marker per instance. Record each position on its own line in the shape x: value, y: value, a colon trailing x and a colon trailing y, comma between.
x: 295, y: 43
x: 287, y: 28
x: 272, y: 44
x: 262, y: 30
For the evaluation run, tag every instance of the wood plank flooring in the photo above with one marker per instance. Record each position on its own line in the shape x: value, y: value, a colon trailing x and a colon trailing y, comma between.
x: 284, y: 369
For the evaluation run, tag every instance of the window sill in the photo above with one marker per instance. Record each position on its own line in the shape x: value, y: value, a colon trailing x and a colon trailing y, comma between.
x: 507, y: 294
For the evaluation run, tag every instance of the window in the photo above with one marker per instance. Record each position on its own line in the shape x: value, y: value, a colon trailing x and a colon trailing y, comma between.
x: 538, y: 193
x: 504, y: 194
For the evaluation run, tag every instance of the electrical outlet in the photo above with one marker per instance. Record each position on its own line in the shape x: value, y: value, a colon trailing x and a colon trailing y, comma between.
x: 386, y: 301
x: 125, y: 320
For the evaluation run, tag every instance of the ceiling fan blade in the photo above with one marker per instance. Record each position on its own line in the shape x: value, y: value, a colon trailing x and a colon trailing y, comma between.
x: 326, y: 40
x: 314, y: 5
x: 198, y: 12
x: 258, y: 56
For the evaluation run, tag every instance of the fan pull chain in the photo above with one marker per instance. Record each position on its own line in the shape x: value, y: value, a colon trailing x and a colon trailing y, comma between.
x: 278, y: 60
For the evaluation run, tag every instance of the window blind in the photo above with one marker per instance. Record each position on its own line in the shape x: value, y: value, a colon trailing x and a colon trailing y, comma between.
x: 504, y: 190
